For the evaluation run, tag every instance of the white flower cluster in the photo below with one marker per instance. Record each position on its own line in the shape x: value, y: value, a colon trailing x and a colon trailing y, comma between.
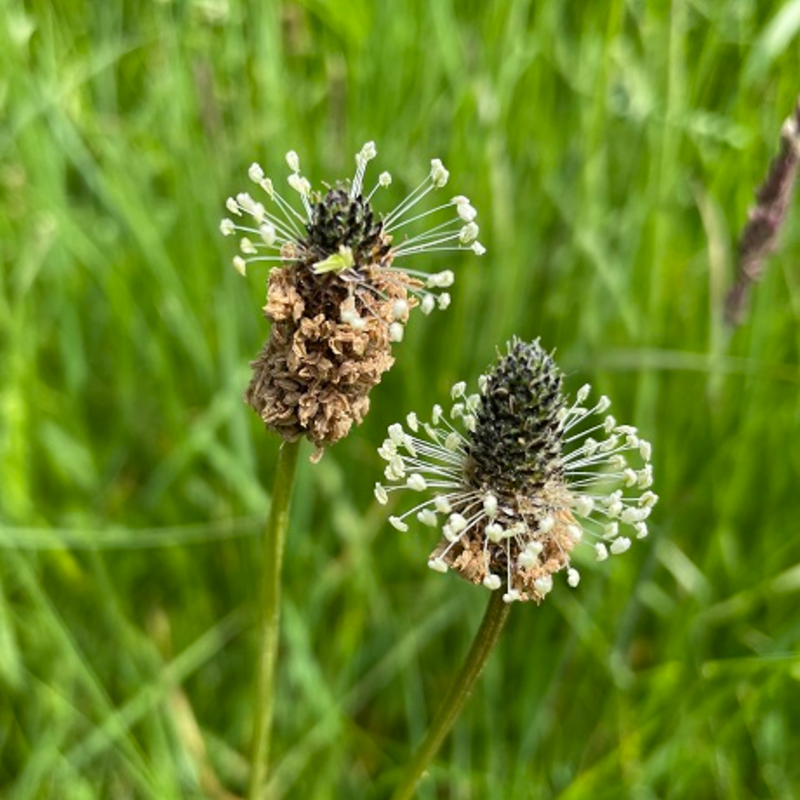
x: 600, y: 496
x: 276, y: 235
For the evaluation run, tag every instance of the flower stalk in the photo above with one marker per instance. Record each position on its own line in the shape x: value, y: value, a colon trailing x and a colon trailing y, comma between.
x: 485, y: 640
x: 269, y: 620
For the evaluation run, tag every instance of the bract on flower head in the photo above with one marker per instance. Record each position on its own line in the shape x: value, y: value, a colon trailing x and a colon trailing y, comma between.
x: 517, y: 477
x: 336, y: 298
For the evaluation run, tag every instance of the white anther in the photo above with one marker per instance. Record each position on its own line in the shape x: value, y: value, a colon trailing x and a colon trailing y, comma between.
x: 490, y: 505
x: 268, y: 234
x: 620, y: 545
x: 609, y: 423
x: 233, y: 206
x: 452, y: 441
x: 397, y: 523
x: 293, y: 160
x: 543, y: 585
x: 546, y: 524
x: 492, y: 582
x: 397, y: 434
x: 240, y: 265
x: 247, y: 247
x: 436, y: 414
x: 609, y: 444
x: 582, y: 393
x: 469, y: 233
x: 442, y: 504
x: 412, y: 421
x: 368, y: 151
x: 439, y: 175
x: 534, y: 547
x: 474, y: 402
x: 391, y: 474
x: 384, y: 179
x: 381, y: 494
x: 603, y: 404
x: 478, y: 249
x: 245, y: 202
x: 437, y: 565
x: 615, y: 508
x: 443, y: 301
x: 255, y: 173
x: 457, y: 411
x: 428, y: 304
x: 576, y: 532
x: 416, y: 482
x: 483, y: 383
x: 400, y: 310
x: 648, y: 500
x: 601, y: 551
x: 442, y: 280
x: 584, y: 506
x: 645, y: 450
x: 494, y: 532
x: 470, y: 422
x: 398, y: 467
x: 611, y: 530
x: 458, y: 390
x: 573, y: 577
x: 357, y: 323
x: 466, y: 212
x: 227, y: 227
x: 644, y: 478
x: 457, y: 522
x: 388, y: 450
x: 511, y: 596
x: 395, y: 332
x: 617, y: 462
x: 299, y: 184
x: 641, y: 530
x: 590, y: 446
x: 630, y: 477
x: 428, y: 517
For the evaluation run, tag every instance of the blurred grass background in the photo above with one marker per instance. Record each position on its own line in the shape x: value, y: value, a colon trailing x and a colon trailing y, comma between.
x: 612, y: 150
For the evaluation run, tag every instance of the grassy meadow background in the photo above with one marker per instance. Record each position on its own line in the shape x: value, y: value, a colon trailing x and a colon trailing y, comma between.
x: 612, y: 150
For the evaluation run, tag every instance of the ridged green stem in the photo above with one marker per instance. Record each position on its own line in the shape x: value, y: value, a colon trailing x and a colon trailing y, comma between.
x: 483, y: 644
x: 269, y: 597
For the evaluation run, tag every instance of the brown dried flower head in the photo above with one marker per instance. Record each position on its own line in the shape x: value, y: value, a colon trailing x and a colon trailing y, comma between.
x: 336, y: 300
x: 529, y: 478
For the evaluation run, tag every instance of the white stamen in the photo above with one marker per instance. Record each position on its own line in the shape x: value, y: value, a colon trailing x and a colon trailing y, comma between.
x: 293, y: 160
x: 255, y: 173
x: 416, y: 482
x: 620, y: 545
x: 573, y: 577
x: 381, y: 494
x: 428, y: 517
x: 397, y: 523
x: 240, y: 265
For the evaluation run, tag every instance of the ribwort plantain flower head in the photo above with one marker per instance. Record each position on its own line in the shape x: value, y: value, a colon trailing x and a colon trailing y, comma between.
x: 336, y: 298
x: 515, y: 477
